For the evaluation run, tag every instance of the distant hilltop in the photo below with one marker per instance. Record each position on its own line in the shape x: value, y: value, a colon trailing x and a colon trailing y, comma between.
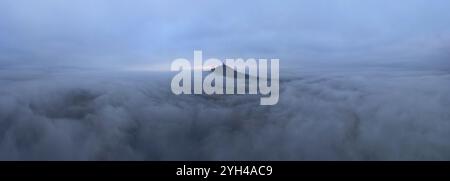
x: 235, y: 74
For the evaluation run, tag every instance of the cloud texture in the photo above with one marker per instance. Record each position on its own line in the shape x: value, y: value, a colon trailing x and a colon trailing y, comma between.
x: 322, y: 115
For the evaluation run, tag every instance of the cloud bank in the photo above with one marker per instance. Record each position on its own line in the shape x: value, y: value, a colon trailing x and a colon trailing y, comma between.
x: 361, y: 80
x: 322, y: 115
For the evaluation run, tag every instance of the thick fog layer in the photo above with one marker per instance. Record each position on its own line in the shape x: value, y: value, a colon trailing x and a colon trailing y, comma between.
x: 371, y: 114
x: 360, y: 80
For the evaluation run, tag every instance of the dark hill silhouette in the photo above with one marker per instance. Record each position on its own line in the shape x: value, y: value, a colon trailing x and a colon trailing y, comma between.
x: 226, y: 68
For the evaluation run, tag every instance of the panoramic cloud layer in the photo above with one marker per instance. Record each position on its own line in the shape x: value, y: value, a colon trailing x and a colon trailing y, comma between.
x: 360, y: 80
x: 345, y: 115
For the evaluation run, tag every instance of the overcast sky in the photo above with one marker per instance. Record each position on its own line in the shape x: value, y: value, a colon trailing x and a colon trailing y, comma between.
x: 119, y: 33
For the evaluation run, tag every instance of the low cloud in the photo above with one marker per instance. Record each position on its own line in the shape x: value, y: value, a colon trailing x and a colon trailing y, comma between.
x: 322, y: 115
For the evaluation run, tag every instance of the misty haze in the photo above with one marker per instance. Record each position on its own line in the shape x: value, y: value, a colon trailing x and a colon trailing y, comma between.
x: 90, y: 80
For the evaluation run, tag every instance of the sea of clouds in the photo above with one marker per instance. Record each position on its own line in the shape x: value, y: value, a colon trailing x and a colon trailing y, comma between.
x: 364, y: 114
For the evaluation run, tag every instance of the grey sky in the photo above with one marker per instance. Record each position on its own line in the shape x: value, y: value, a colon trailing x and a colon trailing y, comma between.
x: 115, y: 33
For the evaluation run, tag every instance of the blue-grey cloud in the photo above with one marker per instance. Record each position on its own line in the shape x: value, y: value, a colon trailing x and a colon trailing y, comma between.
x: 103, y: 33
x: 365, y: 114
x: 385, y: 97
